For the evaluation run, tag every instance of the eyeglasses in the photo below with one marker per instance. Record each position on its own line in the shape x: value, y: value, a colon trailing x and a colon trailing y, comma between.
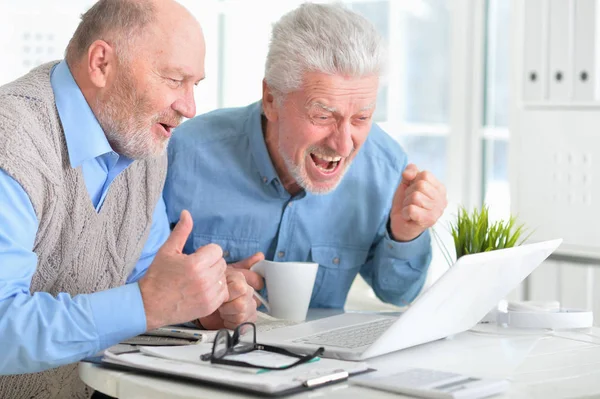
x: 226, y: 344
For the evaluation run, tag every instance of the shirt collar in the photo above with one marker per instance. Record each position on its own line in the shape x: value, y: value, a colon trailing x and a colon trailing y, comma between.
x: 257, y: 143
x: 84, y: 135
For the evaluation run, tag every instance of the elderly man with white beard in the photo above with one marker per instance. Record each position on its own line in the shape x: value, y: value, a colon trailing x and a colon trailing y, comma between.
x: 86, y: 259
x: 304, y: 174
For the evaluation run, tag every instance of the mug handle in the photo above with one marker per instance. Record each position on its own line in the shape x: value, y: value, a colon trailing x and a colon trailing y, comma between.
x: 259, y: 268
x: 263, y: 301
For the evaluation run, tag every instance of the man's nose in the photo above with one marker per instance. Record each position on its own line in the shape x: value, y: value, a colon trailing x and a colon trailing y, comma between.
x: 341, y: 140
x: 186, y: 105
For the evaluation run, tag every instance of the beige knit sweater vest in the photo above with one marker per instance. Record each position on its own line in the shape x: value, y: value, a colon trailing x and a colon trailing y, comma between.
x: 79, y: 251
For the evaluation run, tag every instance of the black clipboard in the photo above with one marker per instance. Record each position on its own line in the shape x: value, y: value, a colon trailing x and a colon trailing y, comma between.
x: 307, y: 386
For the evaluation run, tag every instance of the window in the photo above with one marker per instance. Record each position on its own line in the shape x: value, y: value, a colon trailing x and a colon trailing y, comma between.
x: 496, y: 191
x: 420, y: 76
x: 33, y: 32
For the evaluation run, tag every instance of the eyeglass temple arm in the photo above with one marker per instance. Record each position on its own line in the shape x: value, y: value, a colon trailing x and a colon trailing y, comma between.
x: 302, y: 359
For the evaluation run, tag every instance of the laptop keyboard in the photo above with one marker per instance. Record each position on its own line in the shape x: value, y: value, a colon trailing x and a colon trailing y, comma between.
x: 351, y: 337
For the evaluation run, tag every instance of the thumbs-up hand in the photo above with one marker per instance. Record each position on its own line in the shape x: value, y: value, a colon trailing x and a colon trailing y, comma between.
x: 178, y: 287
x: 418, y: 203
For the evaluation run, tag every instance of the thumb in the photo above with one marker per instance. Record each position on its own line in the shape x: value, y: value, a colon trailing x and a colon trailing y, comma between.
x: 248, y: 262
x: 409, y: 174
x: 180, y: 233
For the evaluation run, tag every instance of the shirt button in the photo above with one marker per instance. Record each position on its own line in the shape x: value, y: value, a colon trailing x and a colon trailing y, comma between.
x: 336, y: 261
x: 289, y: 204
x: 225, y: 254
x: 281, y: 254
x: 265, y: 179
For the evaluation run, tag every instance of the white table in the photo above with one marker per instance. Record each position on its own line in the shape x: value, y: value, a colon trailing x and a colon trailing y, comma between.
x: 552, y: 365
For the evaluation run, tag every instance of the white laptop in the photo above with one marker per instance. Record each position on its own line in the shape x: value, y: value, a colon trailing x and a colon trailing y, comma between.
x: 453, y: 304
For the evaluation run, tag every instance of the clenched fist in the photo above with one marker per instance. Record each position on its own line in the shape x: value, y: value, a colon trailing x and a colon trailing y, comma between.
x: 419, y: 202
x: 240, y: 307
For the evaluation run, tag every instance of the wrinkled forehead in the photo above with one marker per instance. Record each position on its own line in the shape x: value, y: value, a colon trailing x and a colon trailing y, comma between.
x: 337, y: 93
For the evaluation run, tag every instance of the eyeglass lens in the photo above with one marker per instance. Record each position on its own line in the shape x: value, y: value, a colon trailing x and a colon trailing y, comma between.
x: 248, y: 329
x: 221, y: 345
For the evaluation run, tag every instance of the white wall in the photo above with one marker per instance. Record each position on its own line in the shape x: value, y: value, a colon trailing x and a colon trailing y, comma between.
x: 573, y: 284
x: 555, y: 145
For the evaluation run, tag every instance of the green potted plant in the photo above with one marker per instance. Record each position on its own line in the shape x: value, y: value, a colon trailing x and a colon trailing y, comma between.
x: 474, y: 232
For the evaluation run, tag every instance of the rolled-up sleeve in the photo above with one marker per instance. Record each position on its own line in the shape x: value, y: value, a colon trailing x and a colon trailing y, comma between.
x: 397, y: 270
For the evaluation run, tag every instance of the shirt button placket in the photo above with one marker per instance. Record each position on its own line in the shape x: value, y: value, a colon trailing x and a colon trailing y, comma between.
x: 284, y: 231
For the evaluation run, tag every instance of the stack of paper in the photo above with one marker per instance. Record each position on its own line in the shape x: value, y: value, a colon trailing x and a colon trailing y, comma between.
x: 184, y: 361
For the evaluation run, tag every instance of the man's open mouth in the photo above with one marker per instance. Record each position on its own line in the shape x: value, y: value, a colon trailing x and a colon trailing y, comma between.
x: 168, y: 128
x: 325, y: 163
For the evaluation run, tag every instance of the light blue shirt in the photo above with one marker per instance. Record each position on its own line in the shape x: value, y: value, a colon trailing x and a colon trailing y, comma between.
x: 220, y: 170
x: 40, y: 331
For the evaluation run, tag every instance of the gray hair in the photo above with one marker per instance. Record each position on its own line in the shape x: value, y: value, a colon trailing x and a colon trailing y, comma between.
x: 117, y: 22
x: 321, y: 38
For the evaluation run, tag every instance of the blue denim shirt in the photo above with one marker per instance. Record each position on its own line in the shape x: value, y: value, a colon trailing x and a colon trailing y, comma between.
x: 220, y: 170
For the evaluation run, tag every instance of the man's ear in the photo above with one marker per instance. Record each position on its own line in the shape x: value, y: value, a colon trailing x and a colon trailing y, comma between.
x: 268, y: 101
x: 100, y: 63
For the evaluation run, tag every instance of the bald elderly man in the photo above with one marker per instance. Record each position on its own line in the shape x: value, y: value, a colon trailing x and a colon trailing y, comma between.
x: 86, y: 259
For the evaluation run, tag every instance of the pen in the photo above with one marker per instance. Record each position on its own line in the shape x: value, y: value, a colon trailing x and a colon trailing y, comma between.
x: 337, y: 376
x: 186, y: 333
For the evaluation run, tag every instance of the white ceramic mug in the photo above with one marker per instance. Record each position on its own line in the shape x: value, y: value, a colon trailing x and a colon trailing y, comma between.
x: 289, y: 285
